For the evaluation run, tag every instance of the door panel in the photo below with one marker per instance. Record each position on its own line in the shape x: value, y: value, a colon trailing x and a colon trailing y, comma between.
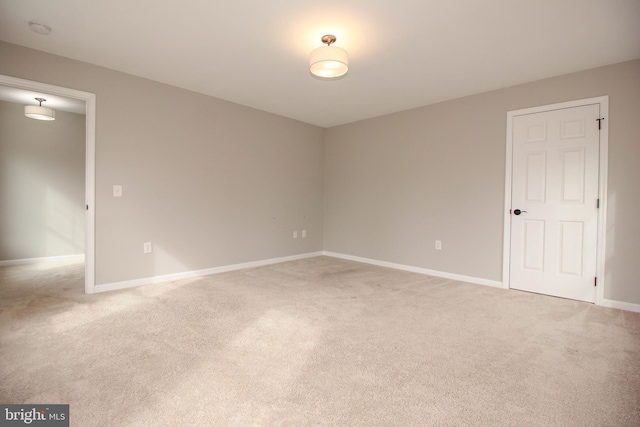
x: 536, y: 176
x: 555, y: 186
x: 572, y: 173
x: 571, y: 234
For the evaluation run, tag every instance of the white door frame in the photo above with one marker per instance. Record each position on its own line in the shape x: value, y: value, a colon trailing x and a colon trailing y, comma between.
x: 90, y: 163
x: 603, y: 101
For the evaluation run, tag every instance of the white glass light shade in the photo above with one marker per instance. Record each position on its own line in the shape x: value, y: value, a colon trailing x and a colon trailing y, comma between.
x: 39, y: 113
x: 329, y: 62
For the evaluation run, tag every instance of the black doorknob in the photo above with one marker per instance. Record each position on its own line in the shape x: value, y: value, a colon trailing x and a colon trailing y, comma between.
x: 518, y: 211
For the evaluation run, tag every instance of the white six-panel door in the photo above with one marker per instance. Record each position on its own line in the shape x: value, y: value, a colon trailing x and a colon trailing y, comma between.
x: 554, y: 211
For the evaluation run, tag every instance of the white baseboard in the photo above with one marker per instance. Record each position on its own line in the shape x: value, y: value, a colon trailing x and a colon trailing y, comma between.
x: 198, y: 273
x: 605, y: 303
x: 445, y: 275
x: 621, y: 305
x: 66, y: 258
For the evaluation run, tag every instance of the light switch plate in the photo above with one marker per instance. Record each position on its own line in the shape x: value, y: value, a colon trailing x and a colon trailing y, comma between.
x: 117, y: 191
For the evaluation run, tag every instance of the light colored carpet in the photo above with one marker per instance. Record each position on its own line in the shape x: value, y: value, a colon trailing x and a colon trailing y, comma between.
x: 319, y: 341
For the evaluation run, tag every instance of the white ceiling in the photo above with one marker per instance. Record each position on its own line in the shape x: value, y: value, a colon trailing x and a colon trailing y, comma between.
x: 403, y: 53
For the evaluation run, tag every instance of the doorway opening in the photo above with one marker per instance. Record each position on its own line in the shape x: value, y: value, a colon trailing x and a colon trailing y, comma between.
x: 90, y: 142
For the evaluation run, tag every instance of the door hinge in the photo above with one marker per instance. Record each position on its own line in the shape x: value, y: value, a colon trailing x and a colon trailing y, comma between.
x: 598, y: 204
x: 600, y: 122
x: 87, y: 207
x: 595, y: 281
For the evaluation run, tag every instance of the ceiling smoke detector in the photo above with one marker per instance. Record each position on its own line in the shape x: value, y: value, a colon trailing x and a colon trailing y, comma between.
x: 39, y: 28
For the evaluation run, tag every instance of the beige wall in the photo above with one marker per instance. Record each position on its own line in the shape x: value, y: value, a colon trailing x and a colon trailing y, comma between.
x: 208, y: 182
x: 394, y: 184
x: 212, y: 183
x: 41, y: 184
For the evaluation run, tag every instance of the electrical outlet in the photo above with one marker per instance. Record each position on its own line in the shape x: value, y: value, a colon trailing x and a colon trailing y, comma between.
x: 295, y: 234
x: 147, y: 248
x: 304, y: 233
x: 117, y: 191
x: 438, y: 245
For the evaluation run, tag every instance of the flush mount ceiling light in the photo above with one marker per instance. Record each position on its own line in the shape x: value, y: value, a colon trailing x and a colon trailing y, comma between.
x: 39, y: 112
x: 328, y: 62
